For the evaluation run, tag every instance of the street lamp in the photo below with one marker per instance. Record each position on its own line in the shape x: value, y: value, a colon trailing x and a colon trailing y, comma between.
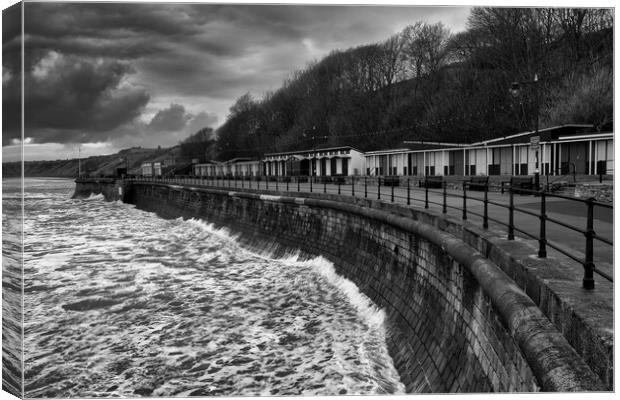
x: 314, y: 171
x: 515, y: 91
x: 313, y: 163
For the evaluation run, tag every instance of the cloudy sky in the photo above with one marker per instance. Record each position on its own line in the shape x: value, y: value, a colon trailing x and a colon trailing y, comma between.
x: 107, y: 76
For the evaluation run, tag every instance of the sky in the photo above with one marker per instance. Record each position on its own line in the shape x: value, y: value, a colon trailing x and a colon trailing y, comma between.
x: 100, y: 77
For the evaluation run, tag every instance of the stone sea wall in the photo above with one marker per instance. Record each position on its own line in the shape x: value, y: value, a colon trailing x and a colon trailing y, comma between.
x: 110, y: 188
x: 457, y: 322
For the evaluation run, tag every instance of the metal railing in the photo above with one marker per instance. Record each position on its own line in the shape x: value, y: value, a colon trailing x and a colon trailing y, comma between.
x: 559, y: 176
x: 440, y: 197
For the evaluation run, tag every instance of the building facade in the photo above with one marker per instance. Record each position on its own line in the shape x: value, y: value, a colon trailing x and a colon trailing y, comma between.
x: 332, y: 161
x: 559, y: 150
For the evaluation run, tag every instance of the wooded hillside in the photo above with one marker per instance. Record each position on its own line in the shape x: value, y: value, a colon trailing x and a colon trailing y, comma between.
x: 426, y: 83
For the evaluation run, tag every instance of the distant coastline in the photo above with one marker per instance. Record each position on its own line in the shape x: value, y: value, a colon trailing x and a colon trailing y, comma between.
x: 90, y: 166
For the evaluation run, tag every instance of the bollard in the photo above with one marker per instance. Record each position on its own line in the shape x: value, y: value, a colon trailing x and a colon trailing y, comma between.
x: 339, y: 186
x: 511, y: 216
x: 298, y: 187
x: 425, y: 193
x: 408, y: 193
x: 392, y: 192
x: 310, y: 179
x: 277, y: 183
x: 378, y: 188
x: 445, y: 197
x: 485, y: 219
x: 365, y: 188
x: 588, y: 265
x: 464, y: 200
x: 353, y: 186
x: 542, y: 240
x: 324, y: 185
x: 287, y: 184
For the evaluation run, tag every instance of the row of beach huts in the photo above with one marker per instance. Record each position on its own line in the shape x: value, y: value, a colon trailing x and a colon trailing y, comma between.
x: 560, y: 150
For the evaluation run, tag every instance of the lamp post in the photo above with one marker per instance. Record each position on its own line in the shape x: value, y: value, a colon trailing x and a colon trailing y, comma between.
x: 515, y: 91
x: 313, y: 169
x: 313, y: 163
x: 79, y: 162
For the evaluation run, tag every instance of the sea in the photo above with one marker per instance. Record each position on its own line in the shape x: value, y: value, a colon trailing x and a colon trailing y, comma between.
x: 120, y: 302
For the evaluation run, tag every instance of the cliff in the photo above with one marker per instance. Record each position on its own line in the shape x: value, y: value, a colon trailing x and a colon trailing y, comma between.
x: 94, y: 166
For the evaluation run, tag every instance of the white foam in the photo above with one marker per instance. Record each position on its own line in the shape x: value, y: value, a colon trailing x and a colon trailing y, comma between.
x: 372, y: 314
x: 369, y: 311
x: 95, y: 197
x: 222, y: 233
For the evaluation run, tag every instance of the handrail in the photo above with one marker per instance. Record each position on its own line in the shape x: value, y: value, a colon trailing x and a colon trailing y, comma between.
x: 372, y: 189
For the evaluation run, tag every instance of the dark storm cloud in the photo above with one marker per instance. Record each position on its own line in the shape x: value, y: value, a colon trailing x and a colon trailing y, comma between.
x: 172, y: 118
x: 11, y: 87
x: 94, y: 69
x: 71, y: 95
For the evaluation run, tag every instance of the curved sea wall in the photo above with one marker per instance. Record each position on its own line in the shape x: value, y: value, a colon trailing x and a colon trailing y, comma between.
x: 457, y: 322
x: 111, y: 188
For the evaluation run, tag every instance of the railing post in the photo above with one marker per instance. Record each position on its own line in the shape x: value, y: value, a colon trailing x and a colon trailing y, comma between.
x: 445, y: 197
x: 310, y: 179
x: 588, y: 265
x: 485, y: 219
x: 324, y: 185
x: 511, y: 215
x: 353, y: 186
x: 338, y: 186
x: 392, y: 192
x: 365, y: 188
x: 378, y: 188
x: 464, y: 200
x: 425, y: 193
x: 542, y: 240
x: 408, y: 193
